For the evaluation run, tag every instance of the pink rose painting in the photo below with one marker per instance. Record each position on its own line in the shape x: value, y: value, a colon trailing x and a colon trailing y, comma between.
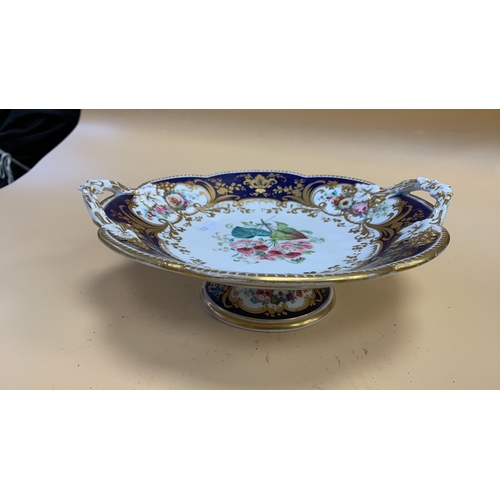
x: 360, y: 208
x: 159, y: 205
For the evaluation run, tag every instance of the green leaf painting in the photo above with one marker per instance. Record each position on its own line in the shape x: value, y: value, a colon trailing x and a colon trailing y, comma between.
x: 280, y: 231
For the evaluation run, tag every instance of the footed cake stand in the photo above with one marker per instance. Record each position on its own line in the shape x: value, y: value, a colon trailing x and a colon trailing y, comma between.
x: 270, y: 245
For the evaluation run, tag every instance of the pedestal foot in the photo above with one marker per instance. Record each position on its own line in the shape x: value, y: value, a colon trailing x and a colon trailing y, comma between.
x: 267, y: 310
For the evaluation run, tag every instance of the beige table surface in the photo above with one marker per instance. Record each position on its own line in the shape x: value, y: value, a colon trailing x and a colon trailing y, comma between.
x: 75, y: 315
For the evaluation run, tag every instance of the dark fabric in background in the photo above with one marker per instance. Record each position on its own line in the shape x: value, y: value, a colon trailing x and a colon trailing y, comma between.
x: 29, y: 134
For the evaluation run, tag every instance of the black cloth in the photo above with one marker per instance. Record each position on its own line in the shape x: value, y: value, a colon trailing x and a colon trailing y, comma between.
x: 29, y: 134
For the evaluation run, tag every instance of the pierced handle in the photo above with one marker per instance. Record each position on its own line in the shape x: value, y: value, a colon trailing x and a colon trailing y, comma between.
x: 91, y: 189
x: 425, y: 231
x: 442, y: 193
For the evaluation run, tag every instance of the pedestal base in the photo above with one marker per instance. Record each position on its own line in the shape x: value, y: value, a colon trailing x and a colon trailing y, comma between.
x: 267, y: 310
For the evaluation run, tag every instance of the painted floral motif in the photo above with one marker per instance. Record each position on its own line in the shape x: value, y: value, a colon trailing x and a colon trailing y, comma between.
x: 355, y: 204
x: 275, y: 297
x: 267, y: 241
x: 157, y: 205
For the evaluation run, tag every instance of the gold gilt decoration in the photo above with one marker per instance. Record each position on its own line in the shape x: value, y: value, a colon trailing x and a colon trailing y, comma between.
x: 261, y: 184
x: 221, y: 188
x: 295, y: 190
x: 418, y: 234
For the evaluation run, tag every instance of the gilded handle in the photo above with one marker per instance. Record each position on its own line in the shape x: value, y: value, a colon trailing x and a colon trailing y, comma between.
x: 91, y: 189
x: 442, y: 193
